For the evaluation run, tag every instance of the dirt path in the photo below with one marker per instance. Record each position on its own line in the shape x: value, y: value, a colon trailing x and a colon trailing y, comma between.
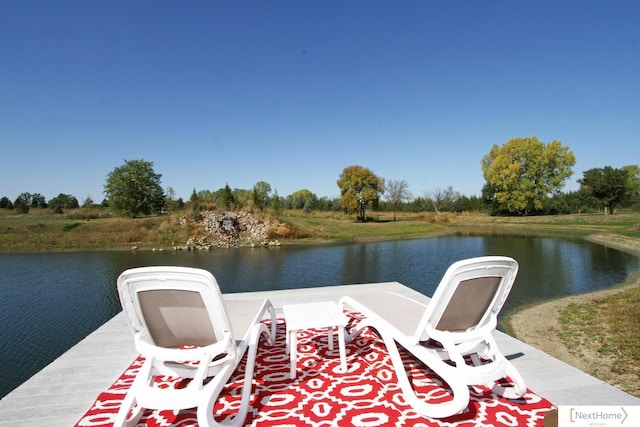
x: 539, y: 325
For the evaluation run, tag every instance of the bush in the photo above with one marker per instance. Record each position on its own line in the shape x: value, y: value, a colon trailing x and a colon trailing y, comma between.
x: 5, y: 203
x: 21, y: 207
x: 286, y: 231
x: 136, y: 234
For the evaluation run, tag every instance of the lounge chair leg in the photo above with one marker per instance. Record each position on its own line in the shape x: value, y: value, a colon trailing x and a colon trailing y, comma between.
x: 348, y: 336
x: 459, y: 389
x: 205, y: 411
x: 292, y: 350
x: 128, y: 404
x: 518, y: 388
x: 343, y: 350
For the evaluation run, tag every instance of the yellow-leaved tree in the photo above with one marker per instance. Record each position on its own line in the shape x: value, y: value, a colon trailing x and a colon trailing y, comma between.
x: 524, y: 171
x: 359, y: 187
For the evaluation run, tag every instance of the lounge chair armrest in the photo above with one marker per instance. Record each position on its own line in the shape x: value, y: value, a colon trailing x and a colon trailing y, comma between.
x: 274, y: 323
x: 256, y: 331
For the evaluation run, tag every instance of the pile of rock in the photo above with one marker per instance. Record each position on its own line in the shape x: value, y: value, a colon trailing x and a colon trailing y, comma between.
x: 228, y: 229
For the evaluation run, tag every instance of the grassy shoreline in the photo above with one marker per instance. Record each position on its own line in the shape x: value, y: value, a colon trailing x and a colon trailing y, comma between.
x: 41, y: 230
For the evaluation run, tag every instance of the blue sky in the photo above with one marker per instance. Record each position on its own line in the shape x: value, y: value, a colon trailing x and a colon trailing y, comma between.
x: 292, y: 92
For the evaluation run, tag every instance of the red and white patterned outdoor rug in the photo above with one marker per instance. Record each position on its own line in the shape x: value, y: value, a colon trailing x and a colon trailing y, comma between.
x: 321, y: 395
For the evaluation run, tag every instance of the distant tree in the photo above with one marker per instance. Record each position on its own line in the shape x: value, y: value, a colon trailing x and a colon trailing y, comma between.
x: 633, y: 183
x: 607, y: 184
x: 326, y: 204
x: 87, y: 202
x: 468, y: 204
x: 227, y: 196
x: 275, y: 202
x: 443, y: 199
x: 194, y: 202
x: 170, y: 202
x: 260, y: 194
x: 580, y: 201
x: 420, y: 204
x: 63, y: 201
x: 523, y: 172
x: 5, y: 203
x: 359, y: 188
x: 134, y: 189
x: 206, y: 196
x: 302, y: 199
x: 241, y: 197
x: 21, y: 206
x: 195, y: 196
x: 38, y: 201
x: 24, y: 198
x: 397, y: 191
x: 22, y: 202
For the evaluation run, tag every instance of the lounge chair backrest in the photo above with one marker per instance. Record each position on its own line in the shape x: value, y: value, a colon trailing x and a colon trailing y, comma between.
x: 469, y: 303
x: 174, y: 306
x: 176, y: 317
x: 469, y: 296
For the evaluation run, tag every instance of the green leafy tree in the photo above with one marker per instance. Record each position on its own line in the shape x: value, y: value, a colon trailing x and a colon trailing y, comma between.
x: 397, y: 191
x: 22, y: 203
x: 66, y: 201
x: 134, y: 189
x: 260, y: 194
x: 359, y: 188
x: 421, y: 204
x: 607, y: 184
x: 206, y: 196
x: 275, y: 202
x: 24, y: 198
x: 38, y: 201
x: 20, y: 206
x: 195, y: 202
x: 633, y: 183
x: 302, y: 199
x: 88, y: 202
x: 522, y: 173
x: 227, y: 196
x: 63, y: 201
x: 170, y: 202
x: 5, y: 203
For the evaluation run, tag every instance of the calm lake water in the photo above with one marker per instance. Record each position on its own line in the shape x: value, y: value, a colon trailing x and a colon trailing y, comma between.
x: 50, y: 301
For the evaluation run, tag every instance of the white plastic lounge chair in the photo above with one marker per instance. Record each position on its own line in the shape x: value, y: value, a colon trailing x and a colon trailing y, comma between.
x: 456, y: 324
x: 168, y: 308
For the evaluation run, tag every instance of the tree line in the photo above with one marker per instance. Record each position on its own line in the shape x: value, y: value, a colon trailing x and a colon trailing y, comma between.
x: 524, y: 176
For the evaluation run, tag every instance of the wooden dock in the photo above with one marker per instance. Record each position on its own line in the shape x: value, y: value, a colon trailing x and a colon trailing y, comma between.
x: 63, y: 391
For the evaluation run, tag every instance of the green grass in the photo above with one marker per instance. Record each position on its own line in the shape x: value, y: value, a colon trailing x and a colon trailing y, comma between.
x: 332, y: 226
x: 41, y: 230
x: 71, y: 226
x: 578, y: 330
x: 96, y: 229
x: 607, y: 329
